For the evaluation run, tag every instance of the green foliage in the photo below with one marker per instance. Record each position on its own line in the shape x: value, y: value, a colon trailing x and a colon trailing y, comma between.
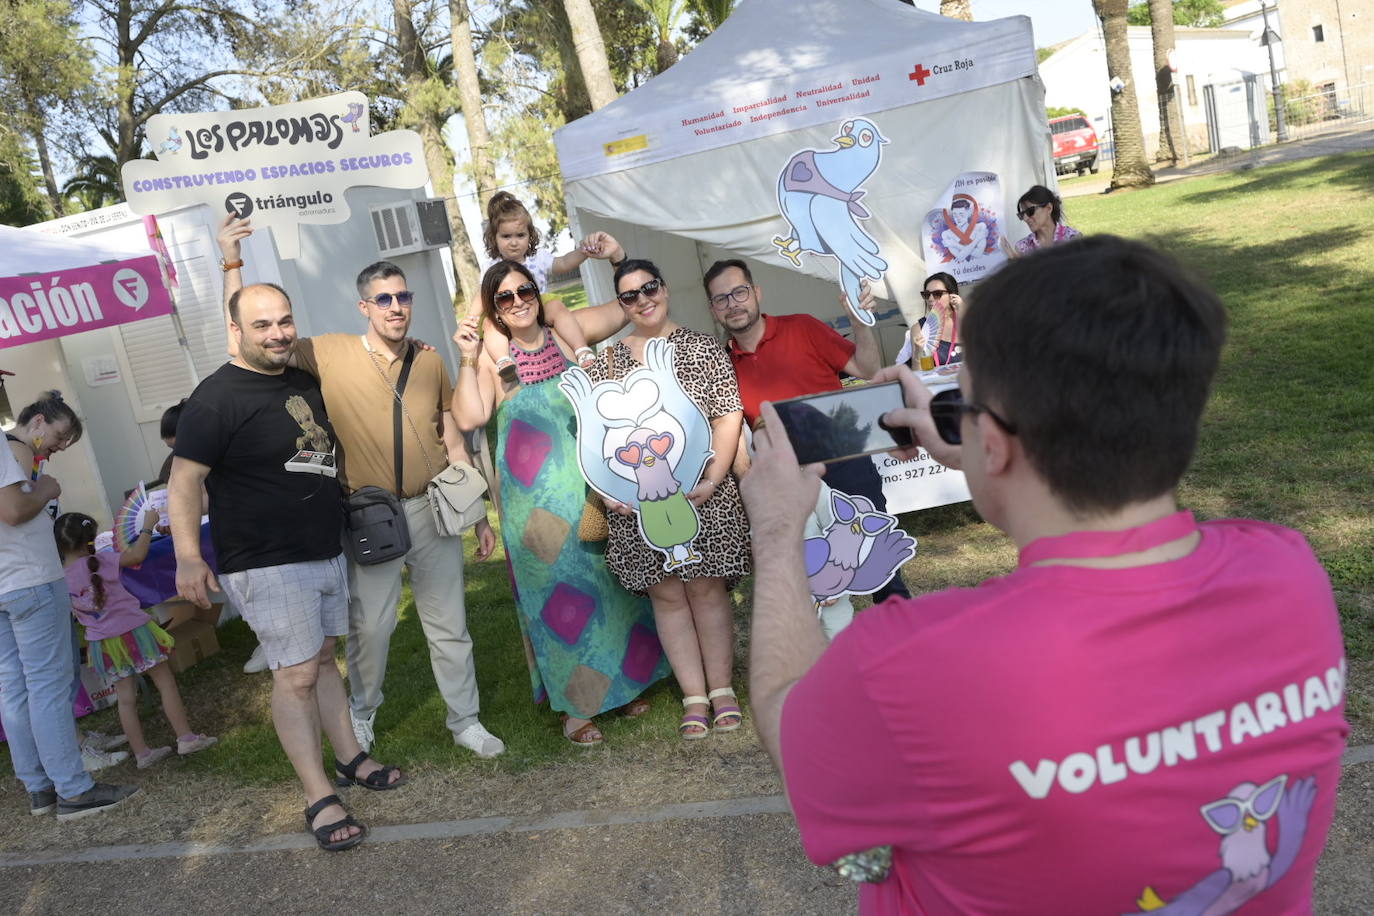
x: 1043, y: 54
x: 705, y: 16
x: 95, y: 184
x: 1056, y: 111
x: 1200, y: 14
x: 21, y: 201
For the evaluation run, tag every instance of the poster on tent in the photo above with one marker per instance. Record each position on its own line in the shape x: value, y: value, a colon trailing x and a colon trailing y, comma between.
x: 42, y: 306
x: 279, y: 166
x: 820, y: 194
x: 643, y: 442
x: 962, y: 235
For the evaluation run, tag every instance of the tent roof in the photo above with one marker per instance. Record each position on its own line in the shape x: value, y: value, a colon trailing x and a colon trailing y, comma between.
x: 773, y: 53
x: 27, y: 251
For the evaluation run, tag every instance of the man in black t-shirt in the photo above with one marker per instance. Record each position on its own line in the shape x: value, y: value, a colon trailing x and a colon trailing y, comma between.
x: 255, y: 433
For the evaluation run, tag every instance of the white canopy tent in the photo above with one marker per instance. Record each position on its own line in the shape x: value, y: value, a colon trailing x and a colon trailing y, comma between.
x: 684, y: 170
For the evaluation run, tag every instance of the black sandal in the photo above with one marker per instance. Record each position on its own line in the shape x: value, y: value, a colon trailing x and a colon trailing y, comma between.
x: 322, y: 833
x: 377, y: 780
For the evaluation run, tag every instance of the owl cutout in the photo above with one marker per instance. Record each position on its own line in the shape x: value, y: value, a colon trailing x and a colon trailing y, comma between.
x: 859, y: 552
x: 1245, y: 819
x: 643, y: 442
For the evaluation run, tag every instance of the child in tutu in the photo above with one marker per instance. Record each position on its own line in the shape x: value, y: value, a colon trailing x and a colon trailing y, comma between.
x: 122, y: 639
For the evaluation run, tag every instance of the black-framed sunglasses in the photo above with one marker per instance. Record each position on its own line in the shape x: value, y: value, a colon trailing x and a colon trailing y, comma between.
x: 505, y: 298
x: 630, y: 296
x: 934, y: 293
x: 1028, y: 211
x: 739, y: 294
x: 947, y: 409
x: 383, y: 300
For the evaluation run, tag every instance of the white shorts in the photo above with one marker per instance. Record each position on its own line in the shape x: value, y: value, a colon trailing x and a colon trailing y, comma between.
x: 293, y: 607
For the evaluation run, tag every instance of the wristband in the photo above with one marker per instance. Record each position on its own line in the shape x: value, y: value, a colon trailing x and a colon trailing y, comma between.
x: 227, y: 266
x: 467, y: 361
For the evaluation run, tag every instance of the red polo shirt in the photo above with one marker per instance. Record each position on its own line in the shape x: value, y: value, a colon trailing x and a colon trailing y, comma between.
x: 798, y: 355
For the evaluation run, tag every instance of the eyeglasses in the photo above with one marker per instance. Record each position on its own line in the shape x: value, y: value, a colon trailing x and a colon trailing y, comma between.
x: 505, y: 299
x: 383, y: 300
x: 947, y: 409
x: 934, y: 293
x: 739, y: 294
x: 648, y: 291
x: 1027, y: 212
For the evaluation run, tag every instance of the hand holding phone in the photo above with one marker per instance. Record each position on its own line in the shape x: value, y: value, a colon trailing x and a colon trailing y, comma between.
x: 847, y: 423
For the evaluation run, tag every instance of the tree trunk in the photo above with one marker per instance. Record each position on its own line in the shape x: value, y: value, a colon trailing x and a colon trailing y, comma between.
x: 1171, y: 137
x: 38, y: 123
x: 438, y: 156
x: 126, y: 84
x: 591, y: 52
x: 666, y: 57
x: 470, y: 96
x: 1129, y: 167
x: 957, y: 9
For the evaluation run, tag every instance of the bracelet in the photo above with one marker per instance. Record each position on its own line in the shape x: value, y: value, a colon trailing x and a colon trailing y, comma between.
x: 618, y: 263
x: 227, y: 266
x: 147, y: 530
x: 467, y: 361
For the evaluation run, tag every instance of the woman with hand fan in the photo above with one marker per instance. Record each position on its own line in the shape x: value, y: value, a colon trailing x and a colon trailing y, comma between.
x: 937, y: 333
x: 123, y: 640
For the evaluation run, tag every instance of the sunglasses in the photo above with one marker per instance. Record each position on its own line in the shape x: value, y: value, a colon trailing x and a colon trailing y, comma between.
x: 505, y: 299
x: 947, y: 409
x: 739, y: 294
x: 383, y: 300
x: 1028, y: 211
x: 934, y: 293
x: 648, y: 290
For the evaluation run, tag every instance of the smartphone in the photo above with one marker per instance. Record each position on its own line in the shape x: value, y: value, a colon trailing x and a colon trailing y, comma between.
x: 836, y: 425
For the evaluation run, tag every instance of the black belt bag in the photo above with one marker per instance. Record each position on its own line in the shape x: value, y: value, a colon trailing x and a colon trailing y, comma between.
x: 375, y: 527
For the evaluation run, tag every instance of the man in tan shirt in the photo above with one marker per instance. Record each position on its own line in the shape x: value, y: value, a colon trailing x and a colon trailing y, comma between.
x: 358, y: 375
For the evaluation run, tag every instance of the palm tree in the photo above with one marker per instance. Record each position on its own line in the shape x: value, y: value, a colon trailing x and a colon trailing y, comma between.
x: 591, y: 52
x: 707, y: 16
x: 1171, y: 138
x: 666, y: 14
x: 1129, y: 168
x: 95, y: 183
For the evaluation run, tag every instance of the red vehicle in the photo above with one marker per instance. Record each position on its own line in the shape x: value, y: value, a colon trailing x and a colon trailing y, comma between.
x: 1075, y: 144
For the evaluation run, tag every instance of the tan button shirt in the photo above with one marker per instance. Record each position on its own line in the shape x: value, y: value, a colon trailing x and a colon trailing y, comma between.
x: 360, y: 408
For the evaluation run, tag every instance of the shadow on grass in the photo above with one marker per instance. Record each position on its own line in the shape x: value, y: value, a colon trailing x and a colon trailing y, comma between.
x: 1351, y: 171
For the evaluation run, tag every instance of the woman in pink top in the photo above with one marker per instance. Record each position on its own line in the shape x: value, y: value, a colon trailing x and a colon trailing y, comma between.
x: 1043, y: 213
x: 122, y: 639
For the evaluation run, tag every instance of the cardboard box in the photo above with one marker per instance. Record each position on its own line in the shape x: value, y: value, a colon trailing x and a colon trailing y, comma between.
x: 196, y: 642
x: 177, y: 611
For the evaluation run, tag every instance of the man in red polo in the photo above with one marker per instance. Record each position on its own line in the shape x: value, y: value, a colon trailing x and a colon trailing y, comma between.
x: 786, y: 356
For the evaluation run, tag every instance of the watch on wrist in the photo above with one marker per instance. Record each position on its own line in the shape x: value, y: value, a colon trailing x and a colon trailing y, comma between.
x: 227, y: 266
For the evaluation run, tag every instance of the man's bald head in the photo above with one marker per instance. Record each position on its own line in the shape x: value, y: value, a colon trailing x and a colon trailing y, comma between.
x: 252, y: 291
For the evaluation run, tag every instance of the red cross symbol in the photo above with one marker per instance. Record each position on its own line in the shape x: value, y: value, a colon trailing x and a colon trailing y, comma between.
x: 919, y: 75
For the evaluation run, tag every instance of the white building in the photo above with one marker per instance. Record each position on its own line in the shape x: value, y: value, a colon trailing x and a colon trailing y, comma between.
x: 1075, y: 76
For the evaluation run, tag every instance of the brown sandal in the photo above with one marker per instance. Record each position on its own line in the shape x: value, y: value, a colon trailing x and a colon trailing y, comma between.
x: 586, y: 736
x: 635, y: 708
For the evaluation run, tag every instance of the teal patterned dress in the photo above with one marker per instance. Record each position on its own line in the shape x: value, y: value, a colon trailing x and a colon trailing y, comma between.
x: 591, y: 645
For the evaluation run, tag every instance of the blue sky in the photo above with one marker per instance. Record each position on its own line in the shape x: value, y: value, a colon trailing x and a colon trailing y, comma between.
x: 1053, y: 20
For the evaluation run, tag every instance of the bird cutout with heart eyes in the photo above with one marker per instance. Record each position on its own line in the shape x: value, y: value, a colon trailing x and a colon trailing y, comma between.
x: 643, y: 442
x: 858, y: 553
x: 819, y: 193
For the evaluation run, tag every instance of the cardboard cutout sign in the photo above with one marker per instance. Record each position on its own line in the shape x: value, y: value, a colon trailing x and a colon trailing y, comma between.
x: 281, y: 166
x: 858, y: 553
x: 963, y: 234
x: 819, y: 193
x: 643, y: 442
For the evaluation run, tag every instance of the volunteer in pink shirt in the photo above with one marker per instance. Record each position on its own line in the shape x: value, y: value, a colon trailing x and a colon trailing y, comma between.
x: 1146, y: 715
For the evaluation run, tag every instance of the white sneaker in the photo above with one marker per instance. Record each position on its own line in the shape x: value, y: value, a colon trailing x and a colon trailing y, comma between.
x: 93, y: 760
x: 256, y: 662
x: 362, y: 730
x: 481, y: 742
x: 103, y: 742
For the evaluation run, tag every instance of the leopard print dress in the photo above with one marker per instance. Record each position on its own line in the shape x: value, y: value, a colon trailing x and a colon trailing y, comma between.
x: 723, y: 541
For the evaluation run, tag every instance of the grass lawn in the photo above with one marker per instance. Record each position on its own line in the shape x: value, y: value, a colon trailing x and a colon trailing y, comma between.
x: 1287, y: 438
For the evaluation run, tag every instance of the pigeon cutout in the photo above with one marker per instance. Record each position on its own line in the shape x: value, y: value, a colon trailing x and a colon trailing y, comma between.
x: 859, y: 553
x: 820, y: 195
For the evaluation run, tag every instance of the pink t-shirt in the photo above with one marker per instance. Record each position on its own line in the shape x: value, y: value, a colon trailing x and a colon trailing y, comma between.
x: 1075, y: 740
x: 121, y: 612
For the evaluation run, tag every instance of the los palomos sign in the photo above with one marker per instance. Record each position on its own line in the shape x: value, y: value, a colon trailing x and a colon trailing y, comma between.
x: 280, y: 166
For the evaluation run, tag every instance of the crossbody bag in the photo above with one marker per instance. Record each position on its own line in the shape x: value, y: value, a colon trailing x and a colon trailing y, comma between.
x: 375, y: 521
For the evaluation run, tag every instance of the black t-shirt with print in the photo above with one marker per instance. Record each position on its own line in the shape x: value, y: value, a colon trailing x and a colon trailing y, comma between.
x: 270, y: 450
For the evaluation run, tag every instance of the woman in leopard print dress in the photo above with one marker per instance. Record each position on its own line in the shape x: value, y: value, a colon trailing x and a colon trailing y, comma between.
x: 691, y: 604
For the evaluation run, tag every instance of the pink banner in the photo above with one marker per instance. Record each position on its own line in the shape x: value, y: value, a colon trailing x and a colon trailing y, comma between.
x: 56, y: 303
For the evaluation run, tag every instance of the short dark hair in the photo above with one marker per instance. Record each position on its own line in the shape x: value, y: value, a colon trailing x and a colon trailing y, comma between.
x: 170, y: 416
x: 234, y: 299
x: 1039, y: 194
x: 630, y: 265
x: 720, y: 267
x: 947, y: 279
x: 51, y: 407
x: 1101, y: 352
x: 492, y: 280
x: 378, y: 270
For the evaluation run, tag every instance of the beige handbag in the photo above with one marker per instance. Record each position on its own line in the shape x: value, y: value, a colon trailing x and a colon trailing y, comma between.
x: 455, y: 498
